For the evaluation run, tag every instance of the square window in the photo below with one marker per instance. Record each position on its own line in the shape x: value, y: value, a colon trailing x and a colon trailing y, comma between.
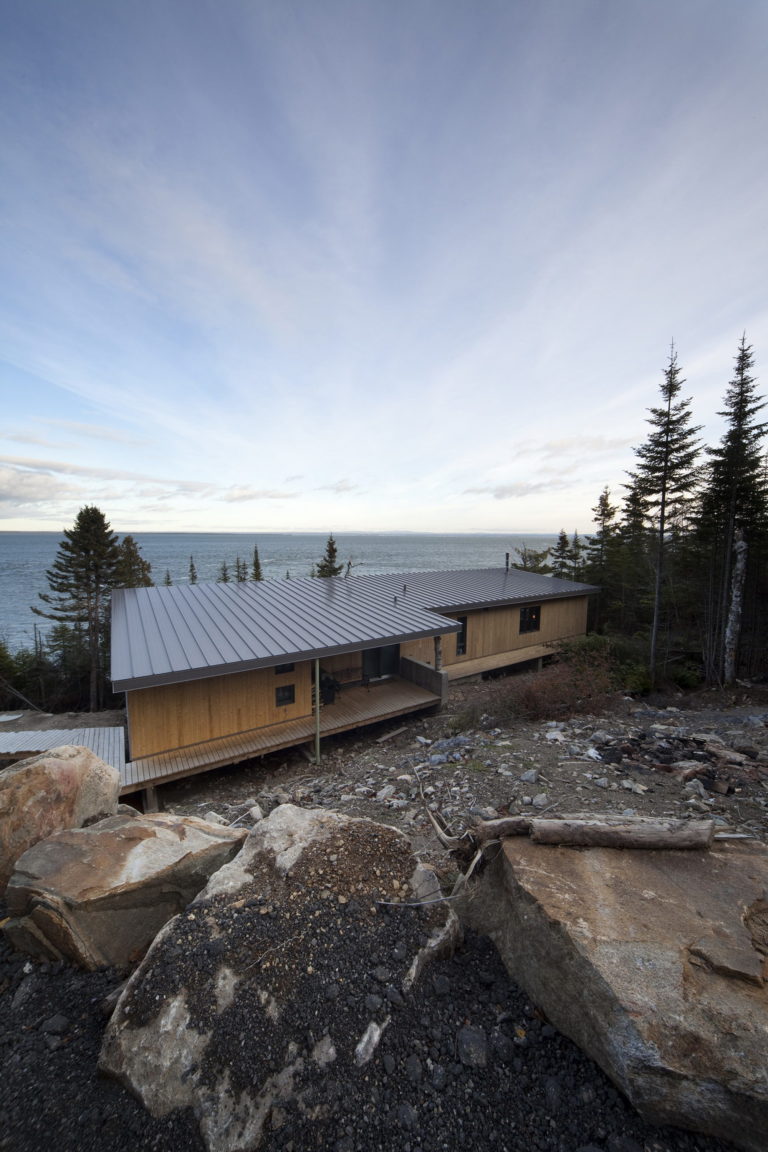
x: 281, y: 668
x: 286, y: 694
x: 530, y: 618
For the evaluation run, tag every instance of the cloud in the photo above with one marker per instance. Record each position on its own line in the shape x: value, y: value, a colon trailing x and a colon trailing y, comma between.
x: 97, y: 431
x: 66, y: 469
x: 524, y: 488
x: 237, y: 494
x: 339, y: 487
x: 26, y: 488
x: 22, y: 438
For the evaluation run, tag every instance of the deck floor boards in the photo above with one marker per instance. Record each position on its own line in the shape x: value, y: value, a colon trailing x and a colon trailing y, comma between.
x: 354, y: 707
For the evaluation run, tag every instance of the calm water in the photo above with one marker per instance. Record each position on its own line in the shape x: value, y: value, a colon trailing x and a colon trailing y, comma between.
x: 25, y: 556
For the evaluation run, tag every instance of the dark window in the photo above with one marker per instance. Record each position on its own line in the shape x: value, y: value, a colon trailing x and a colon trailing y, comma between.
x: 461, y: 637
x: 286, y: 694
x: 530, y: 618
x: 283, y: 668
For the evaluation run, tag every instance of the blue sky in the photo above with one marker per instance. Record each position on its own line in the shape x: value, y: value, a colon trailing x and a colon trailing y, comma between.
x: 367, y: 264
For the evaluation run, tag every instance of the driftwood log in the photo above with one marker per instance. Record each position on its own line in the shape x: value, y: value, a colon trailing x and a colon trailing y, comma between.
x: 603, y: 831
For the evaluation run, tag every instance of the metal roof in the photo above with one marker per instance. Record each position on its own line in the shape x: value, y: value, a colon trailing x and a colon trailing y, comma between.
x: 451, y: 591
x: 107, y: 743
x: 163, y: 635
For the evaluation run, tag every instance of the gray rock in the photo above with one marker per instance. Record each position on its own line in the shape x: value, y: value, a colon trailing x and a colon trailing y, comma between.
x: 531, y: 776
x: 472, y: 1046
x: 541, y: 800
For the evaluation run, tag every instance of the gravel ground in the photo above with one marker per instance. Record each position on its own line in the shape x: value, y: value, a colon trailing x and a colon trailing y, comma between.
x: 467, y: 1060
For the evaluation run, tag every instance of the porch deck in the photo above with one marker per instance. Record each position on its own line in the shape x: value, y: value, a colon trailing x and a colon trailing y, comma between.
x: 354, y: 707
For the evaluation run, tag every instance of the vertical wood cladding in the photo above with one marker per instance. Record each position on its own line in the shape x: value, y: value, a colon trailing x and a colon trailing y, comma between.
x: 495, y: 630
x: 174, y: 715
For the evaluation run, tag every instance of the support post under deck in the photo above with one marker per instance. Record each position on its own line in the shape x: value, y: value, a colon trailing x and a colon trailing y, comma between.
x: 317, y: 711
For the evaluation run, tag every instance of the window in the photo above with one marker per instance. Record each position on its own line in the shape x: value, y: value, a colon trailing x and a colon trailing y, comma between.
x: 530, y: 618
x: 280, y: 668
x: 285, y: 694
x: 461, y: 637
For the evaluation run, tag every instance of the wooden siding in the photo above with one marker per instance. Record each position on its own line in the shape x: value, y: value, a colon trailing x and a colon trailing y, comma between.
x: 175, y: 715
x: 353, y: 708
x: 492, y: 631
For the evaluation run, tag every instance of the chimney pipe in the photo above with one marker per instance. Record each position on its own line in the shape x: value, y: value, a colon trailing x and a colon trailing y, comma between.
x: 507, y: 563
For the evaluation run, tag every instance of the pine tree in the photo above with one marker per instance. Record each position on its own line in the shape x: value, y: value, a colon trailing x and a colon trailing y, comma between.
x: 561, y: 556
x: 192, y: 571
x: 734, y: 501
x: 133, y: 571
x: 167, y: 579
x: 329, y: 565
x: 82, y: 575
x: 223, y: 576
x: 665, y: 479
x: 241, y: 570
x: 577, y: 557
x: 256, y: 572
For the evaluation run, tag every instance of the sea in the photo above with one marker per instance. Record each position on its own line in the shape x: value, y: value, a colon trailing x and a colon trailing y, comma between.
x: 25, y: 557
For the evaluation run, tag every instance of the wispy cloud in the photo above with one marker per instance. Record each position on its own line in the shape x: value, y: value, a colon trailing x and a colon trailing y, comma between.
x: 236, y: 495
x: 339, y: 487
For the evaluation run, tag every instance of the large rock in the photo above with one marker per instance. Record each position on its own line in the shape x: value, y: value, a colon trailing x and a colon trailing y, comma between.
x: 99, y: 895
x: 64, y: 788
x: 654, y: 963
x: 277, y: 982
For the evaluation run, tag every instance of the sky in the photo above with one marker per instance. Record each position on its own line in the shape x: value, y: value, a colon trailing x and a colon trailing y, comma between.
x: 351, y: 265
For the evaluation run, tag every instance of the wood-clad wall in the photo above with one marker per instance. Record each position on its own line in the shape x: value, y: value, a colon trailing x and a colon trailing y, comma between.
x: 495, y: 630
x: 174, y: 715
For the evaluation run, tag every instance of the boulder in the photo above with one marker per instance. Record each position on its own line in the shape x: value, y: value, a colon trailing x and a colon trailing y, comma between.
x: 99, y: 895
x: 64, y: 788
x: 654, y: 963
x: 278, y: 981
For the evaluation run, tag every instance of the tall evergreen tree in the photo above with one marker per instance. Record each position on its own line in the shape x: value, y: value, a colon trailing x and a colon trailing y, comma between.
x: 80, y: 580
x: 223, y: 576
x: 133, y: 571
x: 734, y: 501
x: 241, y: 570
x: 665, y: 478
x: 256, y: 572
x: 167, y: 579
x: 533, y: 559
x: 192, y: 571
x: 561, y: 556
x: 330, y: 564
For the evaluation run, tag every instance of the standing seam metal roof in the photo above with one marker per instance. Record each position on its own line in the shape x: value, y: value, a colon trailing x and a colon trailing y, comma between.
x: 163, y: 635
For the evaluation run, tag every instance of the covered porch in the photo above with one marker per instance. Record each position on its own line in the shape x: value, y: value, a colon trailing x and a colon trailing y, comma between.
x: 353, y: 707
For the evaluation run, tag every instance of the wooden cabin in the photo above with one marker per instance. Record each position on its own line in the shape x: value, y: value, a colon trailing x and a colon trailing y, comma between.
x: 216, y: 673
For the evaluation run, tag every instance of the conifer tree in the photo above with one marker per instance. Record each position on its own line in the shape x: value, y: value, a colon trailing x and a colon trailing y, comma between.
x: 561, y: 556
x: 223, y: 576
x: 192, y: 571
x: 256, y: 572
x: 533, y: 559
x: 330, y: 564
x: 167, y: 579
x: 577, y: 557
x: 80, y: 580
x: 241, y: 570
x: 665, y: 479
x: 734, y: 503
x: 133, y: 571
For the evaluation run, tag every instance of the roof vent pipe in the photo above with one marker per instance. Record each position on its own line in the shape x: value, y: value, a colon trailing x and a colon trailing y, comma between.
x: 394, y: 599
x: 405, y: 589
x: 507, y: 562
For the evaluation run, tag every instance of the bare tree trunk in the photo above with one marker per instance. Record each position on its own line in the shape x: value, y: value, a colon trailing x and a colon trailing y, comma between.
x: 733, y: 627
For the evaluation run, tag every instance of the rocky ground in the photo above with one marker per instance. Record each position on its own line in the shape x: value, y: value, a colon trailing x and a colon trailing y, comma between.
x: 467, y: 1060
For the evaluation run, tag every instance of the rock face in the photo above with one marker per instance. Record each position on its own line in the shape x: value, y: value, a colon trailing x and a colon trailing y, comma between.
x: 64, y: 788
x: 654, y: 963
x: 279, y: 980
x: 99, y: 895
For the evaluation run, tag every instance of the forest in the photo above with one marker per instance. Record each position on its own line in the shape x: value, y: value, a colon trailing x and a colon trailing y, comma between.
x: 680, y: 557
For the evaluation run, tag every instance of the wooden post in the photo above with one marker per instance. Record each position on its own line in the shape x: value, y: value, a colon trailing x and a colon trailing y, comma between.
x: 149, y: 796
x: 317, y: 711
x: 438, y: 653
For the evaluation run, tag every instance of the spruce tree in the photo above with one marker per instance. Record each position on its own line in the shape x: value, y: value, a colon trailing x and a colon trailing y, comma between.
x: 192, y: 571
x: 80, y: 580
x: 666, y: 478
x: 533, y: 560
x: 561, y: 556
x: 256, y: 572
x: 133, y: 571
x: 734, y: 504
x: 241, y: 570
x: 167, y: 579
x: 223, y: 576
x: 330, y: 564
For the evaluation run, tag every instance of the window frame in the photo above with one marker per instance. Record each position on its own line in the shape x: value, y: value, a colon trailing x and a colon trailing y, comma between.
x: 288, y: 690
x: 530, y: 618
x: 461, y: 637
